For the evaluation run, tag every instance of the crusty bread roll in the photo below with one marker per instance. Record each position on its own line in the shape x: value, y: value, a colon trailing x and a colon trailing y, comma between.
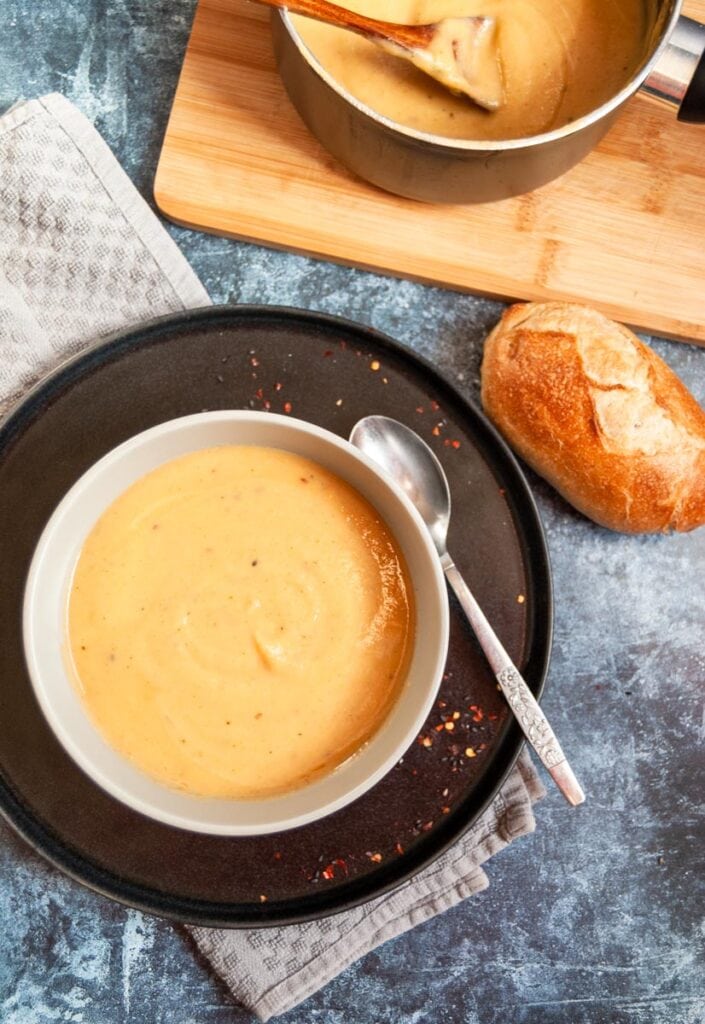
x: 599, y: 415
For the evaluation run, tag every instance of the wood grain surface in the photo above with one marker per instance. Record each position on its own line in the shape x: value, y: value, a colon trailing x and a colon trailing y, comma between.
x: 624, y: 230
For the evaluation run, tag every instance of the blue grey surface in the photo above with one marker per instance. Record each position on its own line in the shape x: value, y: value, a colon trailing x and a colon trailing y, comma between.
x: 598, y: 917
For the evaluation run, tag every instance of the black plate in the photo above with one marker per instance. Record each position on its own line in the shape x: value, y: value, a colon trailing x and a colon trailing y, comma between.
x: 331, y: 372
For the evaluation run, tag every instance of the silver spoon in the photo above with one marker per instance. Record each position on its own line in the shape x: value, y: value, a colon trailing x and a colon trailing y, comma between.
x: 409, y: 461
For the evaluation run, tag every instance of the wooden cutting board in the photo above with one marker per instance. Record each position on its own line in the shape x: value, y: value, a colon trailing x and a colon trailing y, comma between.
x: 624, y: 230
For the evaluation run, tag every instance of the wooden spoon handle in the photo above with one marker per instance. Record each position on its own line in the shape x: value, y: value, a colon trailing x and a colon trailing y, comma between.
x: 408, y: 36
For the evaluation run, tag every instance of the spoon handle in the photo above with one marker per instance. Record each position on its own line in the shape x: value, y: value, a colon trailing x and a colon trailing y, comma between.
x: 409, y: 36
x: 521, y: 700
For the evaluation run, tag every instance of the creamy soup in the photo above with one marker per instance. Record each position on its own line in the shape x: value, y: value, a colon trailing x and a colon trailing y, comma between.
x: 240, y: 622
x: 560, y: 59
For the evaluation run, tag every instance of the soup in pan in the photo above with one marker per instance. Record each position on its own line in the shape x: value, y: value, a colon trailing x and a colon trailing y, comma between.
x: 559, y: 61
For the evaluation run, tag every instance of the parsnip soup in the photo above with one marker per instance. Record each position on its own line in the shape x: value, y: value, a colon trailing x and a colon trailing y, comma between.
x: 558, y: 60
x: 240, y: 622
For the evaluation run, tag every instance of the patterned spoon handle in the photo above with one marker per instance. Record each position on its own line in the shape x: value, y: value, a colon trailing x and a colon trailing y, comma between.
x: 521, y: 700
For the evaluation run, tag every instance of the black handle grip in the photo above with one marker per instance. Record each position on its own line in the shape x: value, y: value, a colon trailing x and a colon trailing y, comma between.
x: 692, y: 108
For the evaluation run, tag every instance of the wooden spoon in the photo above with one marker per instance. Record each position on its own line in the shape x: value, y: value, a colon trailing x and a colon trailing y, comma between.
x: 460, y: 53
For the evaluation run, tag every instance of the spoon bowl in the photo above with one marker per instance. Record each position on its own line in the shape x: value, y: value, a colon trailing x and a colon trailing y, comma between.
x: 460, y: 53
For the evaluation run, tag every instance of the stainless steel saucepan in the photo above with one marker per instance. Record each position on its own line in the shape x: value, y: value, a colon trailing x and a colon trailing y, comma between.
x: 442, y: 170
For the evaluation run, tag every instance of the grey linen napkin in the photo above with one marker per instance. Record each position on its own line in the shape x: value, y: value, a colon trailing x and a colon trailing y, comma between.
x: 82, y: 255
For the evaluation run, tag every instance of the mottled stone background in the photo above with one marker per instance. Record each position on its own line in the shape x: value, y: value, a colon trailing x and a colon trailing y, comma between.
x: 596, y: 918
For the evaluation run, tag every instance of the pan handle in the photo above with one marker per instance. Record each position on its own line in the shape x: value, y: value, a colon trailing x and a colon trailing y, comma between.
x: 678, y: 77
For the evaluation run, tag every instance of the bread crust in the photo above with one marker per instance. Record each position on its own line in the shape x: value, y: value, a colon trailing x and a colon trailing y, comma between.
x: 597, y: 413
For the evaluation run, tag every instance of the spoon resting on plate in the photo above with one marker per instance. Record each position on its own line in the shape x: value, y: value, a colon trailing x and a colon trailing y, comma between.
x: 409, y: 461
x: 460, y: 53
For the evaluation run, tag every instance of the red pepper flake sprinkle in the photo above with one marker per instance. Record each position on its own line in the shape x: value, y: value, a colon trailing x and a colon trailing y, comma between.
x: 442, y: 703
x: 520, y: 599
x: 456, y: 715
x: 339, y: 402
x: 259, y: 393
x: 375, y: 365
x: 277, y: 855
x: 278, y: 386
x: 478, y: 713
x: 328, y: 352
x: 267, y: 404
x: 445, y: 810
x: 376, y: 858
x: 385, y: 380
x: 483, y: 746
x: 493, y: 717
x: 287, y: 407
x: 399, y: 848
x: 449, y: 726
x: 425, y: 741
x: 436, y: 430
x: 263, y: 898
x: 435, y: 406
x: 439, y: 728
x: 455, y: 444
x: 469, y: 752
x: 427, y: 827
x: 445, y: 792
x: 502, y: 491
x: 254, y: 361
x: 328, y: 871
x: 419, y: 409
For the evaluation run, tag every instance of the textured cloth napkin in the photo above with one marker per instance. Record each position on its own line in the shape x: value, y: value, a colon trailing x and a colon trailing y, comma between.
x: 82, y: 255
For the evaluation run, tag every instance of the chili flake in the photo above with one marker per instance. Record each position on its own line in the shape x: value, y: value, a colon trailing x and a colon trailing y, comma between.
x: 339, y: 402
x: 287, y: 407
x: 263, y: 898
x: 399, y: 848
x: 449, y: 726
x: 278, y: 386
x: 375, y: 365
x: 376, y: 858
x: 478, y: 713
x: 436, y: 430
x: 469, y: 752
x: 419, y: 409
x: 434, y: 405
x: 254, y: 361
x: 520, y: 599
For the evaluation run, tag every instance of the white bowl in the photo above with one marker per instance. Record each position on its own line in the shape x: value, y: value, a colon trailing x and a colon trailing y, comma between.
x: 45, y: 624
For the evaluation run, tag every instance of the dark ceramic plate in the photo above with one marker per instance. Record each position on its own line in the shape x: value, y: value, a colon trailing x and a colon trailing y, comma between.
x: 330, y: 372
